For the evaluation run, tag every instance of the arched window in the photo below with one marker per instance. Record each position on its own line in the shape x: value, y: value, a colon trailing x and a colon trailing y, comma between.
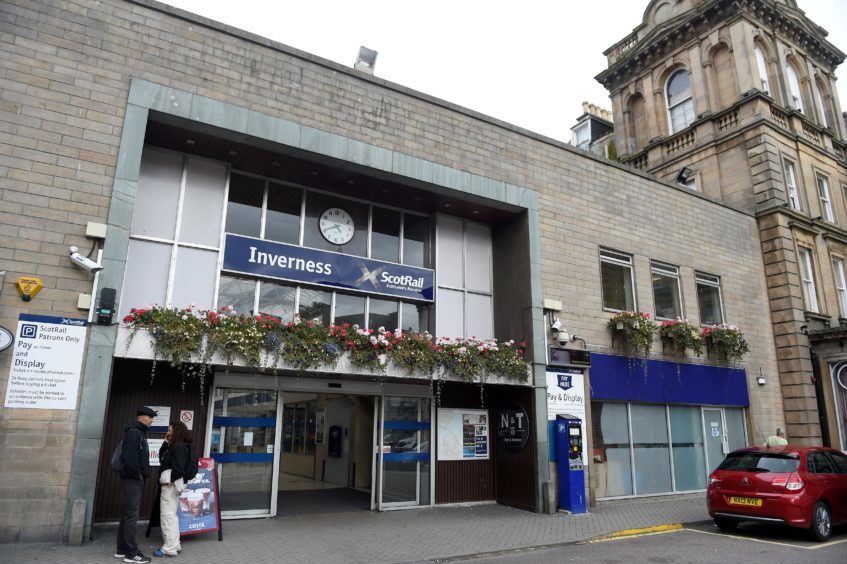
x: 824, y: 116
x: 679, y: 101
x: 763, y: 71
x: 795, y: 99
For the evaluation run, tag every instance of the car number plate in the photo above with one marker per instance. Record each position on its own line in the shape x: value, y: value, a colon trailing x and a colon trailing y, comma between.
x: 754, y: 501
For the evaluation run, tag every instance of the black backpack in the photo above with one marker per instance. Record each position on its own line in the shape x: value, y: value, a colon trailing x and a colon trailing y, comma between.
x: 117, y: 460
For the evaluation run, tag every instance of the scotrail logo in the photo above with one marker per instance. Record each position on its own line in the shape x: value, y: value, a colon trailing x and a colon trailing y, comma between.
x: 368, y: 275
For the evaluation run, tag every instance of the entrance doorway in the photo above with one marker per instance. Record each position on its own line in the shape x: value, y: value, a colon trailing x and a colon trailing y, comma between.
x: 300, y: 449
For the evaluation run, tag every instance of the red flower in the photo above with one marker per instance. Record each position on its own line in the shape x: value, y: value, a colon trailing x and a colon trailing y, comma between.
x: 129, y: 318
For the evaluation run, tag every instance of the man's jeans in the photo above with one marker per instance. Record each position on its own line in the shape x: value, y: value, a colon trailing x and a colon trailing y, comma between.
x: 130, y: 504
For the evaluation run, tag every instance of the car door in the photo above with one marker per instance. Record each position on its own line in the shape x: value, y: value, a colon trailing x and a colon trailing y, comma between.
x: 823, y: 477
x: 839, y: 509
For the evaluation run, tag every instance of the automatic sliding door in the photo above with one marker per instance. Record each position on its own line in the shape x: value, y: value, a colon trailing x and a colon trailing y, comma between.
x: 404, y: 452
x: 243, y: 444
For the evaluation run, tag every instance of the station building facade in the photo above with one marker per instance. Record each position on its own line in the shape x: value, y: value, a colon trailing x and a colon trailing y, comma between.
x: 231, y: 170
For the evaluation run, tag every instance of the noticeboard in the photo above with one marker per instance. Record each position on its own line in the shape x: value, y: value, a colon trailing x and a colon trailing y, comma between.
x: 463, y: 434
x: 199, y: 508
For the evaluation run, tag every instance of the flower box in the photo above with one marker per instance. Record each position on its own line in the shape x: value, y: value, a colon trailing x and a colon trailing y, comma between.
x: 632, y: 331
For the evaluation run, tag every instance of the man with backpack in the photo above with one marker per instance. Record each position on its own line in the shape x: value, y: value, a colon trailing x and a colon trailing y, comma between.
x: 132, y: 461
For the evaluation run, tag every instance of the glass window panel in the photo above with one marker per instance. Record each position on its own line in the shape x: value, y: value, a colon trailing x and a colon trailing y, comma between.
x: 237, y: 294
x: 617, y: 286
x: 277, y: 301
x: 382, y: 313
x: 794, y: 88
x: 415, y: 317
x: 146, y: 278
x: 288, y: 429
x: 349, y: 309
x: 709, y: 301
x: 316, y: 204
x: 611, y: 448
x: 416, y: 241
x: 282, y: 222
x: 478, y: 257
x: 385, y: 234
x: 157, y: 197
x: 666, y: 295
x: 202, y: 205
x: 244, y: 209
x: 735, y: 428
x: 679, y: 88
x: 311, y: 408
x: 840, y: 285
x: 763, y: 70
x: 650, y: 449
x: 810, y: 295
x: 791, y: 183
x: 450, y: 251
x: 689, y: 457
x: 194, y: 278
x: 449, y: 313
x: 479, y: 316
x: 406, y: 481
x: 315, y: 304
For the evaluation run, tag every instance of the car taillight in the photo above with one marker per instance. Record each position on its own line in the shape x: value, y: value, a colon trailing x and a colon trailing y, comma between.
x: 713, y: 480
x: 794, y: 483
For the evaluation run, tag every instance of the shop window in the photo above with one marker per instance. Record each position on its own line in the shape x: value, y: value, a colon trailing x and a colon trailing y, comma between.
x: 795, y: 96
x: 763, y: 70
x: 840, y: 285
x: 709, y: 298
x: 666, y: 290
x: 277, y: 301
x: 316, y: 205
x: 807, y: 279
x: 154, y: 214
x: 650, y: 449
x: 463, y: 297
x: 383, y: 313
x: 416, y: 241
x: 823, y: 194
x: 688, y: 448
x: 244, y: 207
x: 282, y: 221
x: 611, y: 449
x: 349, y: 309
x: 616, y: 273
x: 679, y: 102
x: 236, y: 294
x: 315, y: 305
x: 791, y: 184
x: 385, y: 234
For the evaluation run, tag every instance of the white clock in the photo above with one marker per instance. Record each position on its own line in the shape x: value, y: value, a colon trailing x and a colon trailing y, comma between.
x: 336, y: 226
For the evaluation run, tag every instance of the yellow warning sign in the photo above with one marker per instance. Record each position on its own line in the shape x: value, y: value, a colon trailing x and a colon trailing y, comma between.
x: 28, y: 287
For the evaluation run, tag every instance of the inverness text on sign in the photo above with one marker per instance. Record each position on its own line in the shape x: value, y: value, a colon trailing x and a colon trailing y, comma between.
x: 270, y: 259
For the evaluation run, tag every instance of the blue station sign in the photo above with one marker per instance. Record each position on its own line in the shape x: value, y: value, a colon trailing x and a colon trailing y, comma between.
x: 269, y: 259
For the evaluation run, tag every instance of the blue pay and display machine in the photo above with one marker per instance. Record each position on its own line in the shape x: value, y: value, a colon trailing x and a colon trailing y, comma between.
x: 569, y: 458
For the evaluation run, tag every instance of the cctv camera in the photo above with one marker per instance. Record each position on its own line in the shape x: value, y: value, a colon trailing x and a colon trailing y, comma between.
x: 563, y: 338
x: 556, y: 326
x: 84, y: 261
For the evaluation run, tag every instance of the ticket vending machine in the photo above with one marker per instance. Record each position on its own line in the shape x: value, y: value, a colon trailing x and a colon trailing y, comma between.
x: 569, y: 445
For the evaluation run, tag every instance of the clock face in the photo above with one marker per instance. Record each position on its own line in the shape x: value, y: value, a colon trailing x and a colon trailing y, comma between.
x: 336, y: 226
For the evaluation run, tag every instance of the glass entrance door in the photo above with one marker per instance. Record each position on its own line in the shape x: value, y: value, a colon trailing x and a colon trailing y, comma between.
x: 714, y: 429
x: 244, y: 438
x: 404, y: 452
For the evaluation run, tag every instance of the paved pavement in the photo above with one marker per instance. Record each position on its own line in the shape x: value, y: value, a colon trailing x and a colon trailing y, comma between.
x: 425, y: 535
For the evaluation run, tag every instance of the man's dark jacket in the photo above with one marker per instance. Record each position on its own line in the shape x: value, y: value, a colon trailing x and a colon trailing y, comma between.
x: 135, y: 452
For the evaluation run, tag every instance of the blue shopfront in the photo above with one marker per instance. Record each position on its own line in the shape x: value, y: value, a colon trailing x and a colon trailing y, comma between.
x: 661, y: 427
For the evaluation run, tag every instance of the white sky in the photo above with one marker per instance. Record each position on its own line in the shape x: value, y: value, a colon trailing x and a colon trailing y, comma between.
x: 529, y: 63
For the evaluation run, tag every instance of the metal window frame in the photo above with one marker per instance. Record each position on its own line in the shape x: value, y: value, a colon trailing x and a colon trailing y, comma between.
x: 704, y: 279
x: 807, y: 279
x: 671, y: 271
x: 670, y: 107
x: 622, y: 259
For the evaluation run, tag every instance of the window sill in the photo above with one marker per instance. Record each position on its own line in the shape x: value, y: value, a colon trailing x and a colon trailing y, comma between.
x: 817, y: 318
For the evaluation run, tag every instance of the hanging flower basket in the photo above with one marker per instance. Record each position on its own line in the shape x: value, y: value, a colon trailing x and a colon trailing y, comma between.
x: 727, y: 340
x: 680, y: 335
x: 632, y: 331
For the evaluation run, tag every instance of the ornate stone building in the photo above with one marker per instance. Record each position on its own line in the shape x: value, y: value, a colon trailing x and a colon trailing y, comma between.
x: 737, y: 100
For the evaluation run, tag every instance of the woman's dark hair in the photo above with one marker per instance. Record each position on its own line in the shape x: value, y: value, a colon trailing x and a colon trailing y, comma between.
x: 181, y: 433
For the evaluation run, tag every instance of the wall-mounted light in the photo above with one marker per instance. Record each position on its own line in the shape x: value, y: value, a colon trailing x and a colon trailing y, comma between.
x: 760, y: 379
x: 683, y: 175
x: 366, y: 60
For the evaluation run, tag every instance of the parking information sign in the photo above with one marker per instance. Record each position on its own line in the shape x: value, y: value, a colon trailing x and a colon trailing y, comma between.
x: 46, y: 362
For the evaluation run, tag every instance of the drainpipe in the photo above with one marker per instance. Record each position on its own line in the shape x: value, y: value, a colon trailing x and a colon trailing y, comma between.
x: 816, y: 374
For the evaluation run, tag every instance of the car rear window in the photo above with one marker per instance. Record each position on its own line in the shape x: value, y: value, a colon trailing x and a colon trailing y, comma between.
x: 759, y: 462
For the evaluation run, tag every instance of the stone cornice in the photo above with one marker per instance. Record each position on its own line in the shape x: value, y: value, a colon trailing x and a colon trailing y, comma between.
x: 666, y: 39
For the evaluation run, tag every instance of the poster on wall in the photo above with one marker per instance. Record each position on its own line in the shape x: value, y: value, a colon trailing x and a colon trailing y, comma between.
x: 463, y: 434
x: 566, y: 395
x: 153, y: 447
x: 199, y: 510
x: 46, y: 362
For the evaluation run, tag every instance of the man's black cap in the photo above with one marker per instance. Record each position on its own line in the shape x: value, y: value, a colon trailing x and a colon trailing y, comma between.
x: 144, y: 410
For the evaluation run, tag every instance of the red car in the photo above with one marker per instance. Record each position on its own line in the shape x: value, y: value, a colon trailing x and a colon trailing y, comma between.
x: 803, y: 487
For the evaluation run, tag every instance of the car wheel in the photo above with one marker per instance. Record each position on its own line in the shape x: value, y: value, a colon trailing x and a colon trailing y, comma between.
x: 726, y: 524
x: 821, y: 528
